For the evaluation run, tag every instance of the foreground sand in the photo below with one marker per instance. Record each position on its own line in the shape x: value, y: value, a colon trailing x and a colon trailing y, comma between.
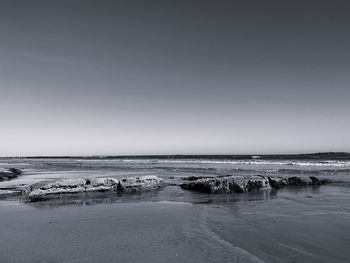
x: 121, y: 232
x: 307, y: 224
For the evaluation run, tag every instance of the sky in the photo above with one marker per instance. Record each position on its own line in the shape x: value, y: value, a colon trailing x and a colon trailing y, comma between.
x: 174, y: 77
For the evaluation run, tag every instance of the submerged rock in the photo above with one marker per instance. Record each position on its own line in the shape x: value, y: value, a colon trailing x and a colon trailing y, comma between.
x: 9, y: 173
x: 240, y: 184
x: 44, y: 191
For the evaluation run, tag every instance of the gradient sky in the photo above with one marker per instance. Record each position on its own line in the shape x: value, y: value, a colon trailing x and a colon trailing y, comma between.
x: 174, y: 77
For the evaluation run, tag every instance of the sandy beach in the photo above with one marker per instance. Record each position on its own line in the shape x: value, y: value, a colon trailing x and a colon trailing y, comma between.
x: 131, y: 232
x: 291, y: 225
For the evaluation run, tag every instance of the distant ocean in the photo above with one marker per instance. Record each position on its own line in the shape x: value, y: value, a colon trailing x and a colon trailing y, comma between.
x: 327, y: 165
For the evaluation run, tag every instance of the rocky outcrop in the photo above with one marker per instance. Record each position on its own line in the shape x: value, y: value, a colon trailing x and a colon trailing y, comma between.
x: 9, y: 173
x: 227, y: 184
x: 211, y: 185
x: 140, y: 184
x: 44, y: 191
x: 279, y: 182
x: 240, y: 184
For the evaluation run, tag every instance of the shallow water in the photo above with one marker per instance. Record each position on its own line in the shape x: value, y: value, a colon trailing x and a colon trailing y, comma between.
x: 37, y: 170
x: 293, y: 224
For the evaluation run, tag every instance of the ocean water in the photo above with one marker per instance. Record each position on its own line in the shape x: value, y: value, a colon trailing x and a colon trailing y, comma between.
x: 293, y: 224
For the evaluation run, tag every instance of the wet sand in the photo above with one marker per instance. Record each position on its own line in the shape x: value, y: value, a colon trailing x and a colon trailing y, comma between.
x: 307, y: 224
x: 123, y: 232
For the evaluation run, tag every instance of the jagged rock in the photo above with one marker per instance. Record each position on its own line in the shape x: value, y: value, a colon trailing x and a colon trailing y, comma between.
x: 277, y: 182
x: 43, y: 191
x: 240, y: 184
x: 9, y: 173
x: 140, y: 184
x: 215, y: 185
x: 297, y: 181
x: 316, y: 181
x: 15, y: 171
x: 227, y: 184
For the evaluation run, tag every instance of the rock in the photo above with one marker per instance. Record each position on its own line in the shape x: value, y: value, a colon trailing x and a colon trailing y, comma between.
x: 140, y: 184
x: 316, y: 181
x: 297, y: 181
x: 240, y: 184
x: 227, y: 184
x: 211, y: 185
x: 9, y: 173
x: 44, y: 191
x: 15, y: 171
x: 277, y: 182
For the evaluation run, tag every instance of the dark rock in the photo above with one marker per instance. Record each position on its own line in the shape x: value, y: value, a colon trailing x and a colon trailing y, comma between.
x: 15, y: 171
x: 9, y: 173
x: 227, y: 184
x: 277, y: 182
x: 326, y: 181
x: 240, y: 184
x: 315, y: 181
x: 297, y: 181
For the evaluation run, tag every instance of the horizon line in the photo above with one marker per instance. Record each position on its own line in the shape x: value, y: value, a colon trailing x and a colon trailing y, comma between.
x: 178, y: 155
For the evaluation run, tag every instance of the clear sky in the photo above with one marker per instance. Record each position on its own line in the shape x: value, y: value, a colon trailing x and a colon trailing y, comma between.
x: 174, y: 77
